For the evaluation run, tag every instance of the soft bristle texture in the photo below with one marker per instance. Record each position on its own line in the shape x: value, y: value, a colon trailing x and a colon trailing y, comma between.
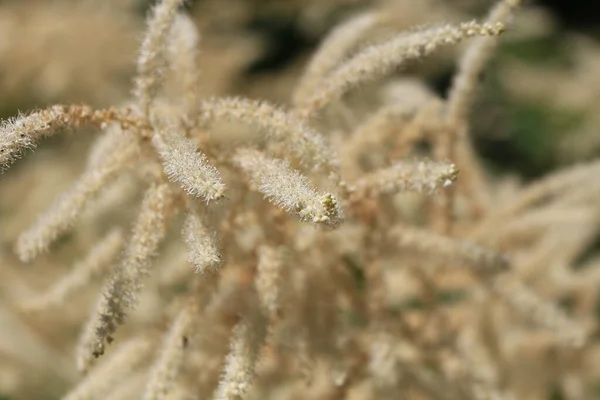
x: 298, y: 200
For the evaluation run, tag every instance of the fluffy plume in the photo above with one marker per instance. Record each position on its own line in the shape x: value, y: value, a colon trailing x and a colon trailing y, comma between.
x: 170, y: 360
x: 300, y: 138
x: 380, y: 60
x: 120, y: 295
x: 420, y: 177
x: 203, y: 252
x: 333, y: 50
x: 184, y: 164
x: 183, y: 52
x: 289, y: 189
x: 152, y: 58
x: 451, y: 250
x: 24, y: 132
x: 113, y: 370
x: 268, y: 278
x: 92, y: 266
x: 472, y: 64
x: 240, y: 364
x: 70, y: 205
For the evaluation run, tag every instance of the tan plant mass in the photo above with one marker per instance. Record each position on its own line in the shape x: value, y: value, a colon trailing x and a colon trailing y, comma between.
x: 313, y: 253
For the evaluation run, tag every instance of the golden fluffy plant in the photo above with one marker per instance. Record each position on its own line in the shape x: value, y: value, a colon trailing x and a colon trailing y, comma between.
x: 316, y: 259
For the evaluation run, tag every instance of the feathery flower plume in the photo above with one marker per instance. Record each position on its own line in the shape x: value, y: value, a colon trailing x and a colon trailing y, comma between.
x: 182, y: 52
x: 23, y: 132
x: 373, y: 131
x: 170, y: 360
x: 268, y: 278
x: 454, y: 144
x: 472, y: 63
x: 112, y: 371
x: 112, y: 138
x: 240, y: 364
x: 288, y: 189
x: 300, y: 138
x: 420, y: 177
x: 70, y: 205
x: 382, y: 59
x: 408, y: 116
x: 450, y: 250
x: 120, y: 294
x: 94, y: 263
x: 333, y: 50
x: 203, y: 252
x: 185, y: 165
x: 152, y: 56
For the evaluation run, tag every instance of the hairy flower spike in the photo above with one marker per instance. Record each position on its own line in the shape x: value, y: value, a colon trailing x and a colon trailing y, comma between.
x: 153, y: 53
x: 23, y: 132
x: 289, y: 189
x: 268, y: 278
x: 112, y: 371
x: 420, y: 177
x: 373, y: 310
x: 120, y: 294
x: 203, y: 252
x: 379, y: 60
x: 473, y: 62
x: 81, y: 274
x: 451, y: 250
x: 333, y: 50
x: 167, y: 367
x: 185, y: 165
x: 455, y: 143
x: 240, y: 363
x: 69, y: 206
x: 299, y: 137
x: 183, y: 52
